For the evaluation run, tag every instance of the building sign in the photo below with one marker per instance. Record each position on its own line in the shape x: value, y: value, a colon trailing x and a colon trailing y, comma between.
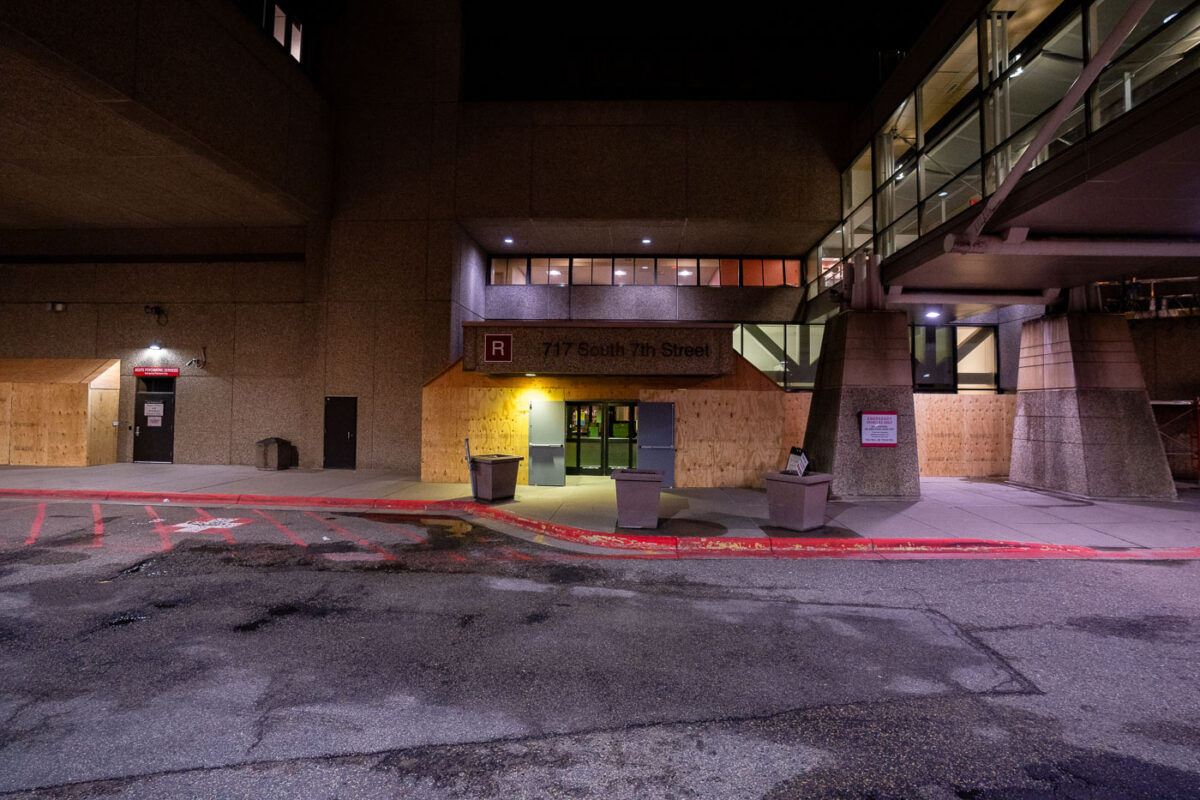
x: 597, y: 349
x: 879, y: 428
x: 497, y: 348
x: 157, y: 372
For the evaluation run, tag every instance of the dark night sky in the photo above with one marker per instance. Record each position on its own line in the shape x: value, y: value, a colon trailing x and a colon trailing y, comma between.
x: 747, y: 49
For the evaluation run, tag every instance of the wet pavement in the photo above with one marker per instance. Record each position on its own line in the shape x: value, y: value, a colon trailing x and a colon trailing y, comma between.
x: 204, y: 651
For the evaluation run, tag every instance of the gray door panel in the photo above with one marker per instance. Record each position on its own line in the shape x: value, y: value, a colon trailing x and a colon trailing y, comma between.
x: 656, y: 439
x: 547, y: 443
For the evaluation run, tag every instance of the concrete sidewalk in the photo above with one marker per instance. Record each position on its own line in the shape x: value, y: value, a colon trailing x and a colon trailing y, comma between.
x: 948, y: 508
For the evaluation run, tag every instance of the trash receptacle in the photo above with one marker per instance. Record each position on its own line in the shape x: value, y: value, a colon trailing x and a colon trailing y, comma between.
x: 797, y: 502
x: 637, y: 497
x: 494, y: 476
x: 274, y: 453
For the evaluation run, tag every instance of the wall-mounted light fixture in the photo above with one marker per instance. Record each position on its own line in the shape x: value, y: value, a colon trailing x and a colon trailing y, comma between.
x: 156, y: 345
x: 199, y: 362
x: 645, y: 241
x: 508, y: 240
x: 933, y: 314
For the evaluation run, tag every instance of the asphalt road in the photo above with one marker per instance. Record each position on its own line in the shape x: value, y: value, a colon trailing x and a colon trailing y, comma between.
x: 169, y: 651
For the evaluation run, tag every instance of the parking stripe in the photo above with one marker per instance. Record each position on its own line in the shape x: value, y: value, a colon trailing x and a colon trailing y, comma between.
x: 164, y: 536
x: 97, y: 526
x: 282, y: 528
x: 335, y: 527
x: 36, y: 528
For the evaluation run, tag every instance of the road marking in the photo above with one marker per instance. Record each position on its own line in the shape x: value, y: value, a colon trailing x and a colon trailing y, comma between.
x: 283, y: 528
x: 97, y: 526
x: 36, y: 528
x: 164, y: 536
x: 207, y: 523
x: 334, y: 526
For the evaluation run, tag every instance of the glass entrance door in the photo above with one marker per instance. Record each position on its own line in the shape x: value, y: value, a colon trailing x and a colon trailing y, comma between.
x: 601, y: 437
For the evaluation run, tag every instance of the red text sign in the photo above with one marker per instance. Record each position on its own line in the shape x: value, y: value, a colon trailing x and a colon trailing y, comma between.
x: 157, y: 372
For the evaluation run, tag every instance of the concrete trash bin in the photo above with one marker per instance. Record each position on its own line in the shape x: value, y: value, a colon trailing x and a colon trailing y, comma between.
x: 494, y: 476
x: 637, y: 497
x: 273, y: 453
x: 797, y: 502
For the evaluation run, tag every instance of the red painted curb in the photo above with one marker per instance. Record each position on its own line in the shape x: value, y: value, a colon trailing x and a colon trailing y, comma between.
x: 653, y: 546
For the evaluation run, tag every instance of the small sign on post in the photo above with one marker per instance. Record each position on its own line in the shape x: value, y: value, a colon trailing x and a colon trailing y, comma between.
x: 797, y: 461
x: 878, y: 428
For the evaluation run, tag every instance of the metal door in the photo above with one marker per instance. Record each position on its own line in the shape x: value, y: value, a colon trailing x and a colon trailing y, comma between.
x: 341, y: 432
x: 656, y: 439
x: 547, y: 443
x: 154, y: 427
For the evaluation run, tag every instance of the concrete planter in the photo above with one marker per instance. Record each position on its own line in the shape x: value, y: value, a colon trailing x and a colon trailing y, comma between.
x: 494, y: 476
x: 797, y: 502
x: 637, y: 497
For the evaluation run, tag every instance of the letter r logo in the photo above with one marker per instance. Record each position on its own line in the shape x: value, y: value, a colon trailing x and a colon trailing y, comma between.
x: 497, y: 348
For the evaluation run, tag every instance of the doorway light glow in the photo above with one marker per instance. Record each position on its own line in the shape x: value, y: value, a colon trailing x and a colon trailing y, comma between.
x: 508, y: 240
x: 645, y: 241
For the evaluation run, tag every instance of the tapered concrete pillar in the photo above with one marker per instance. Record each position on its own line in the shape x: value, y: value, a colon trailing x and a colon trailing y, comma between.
x: 1084, y: 424
x: 865, y: 366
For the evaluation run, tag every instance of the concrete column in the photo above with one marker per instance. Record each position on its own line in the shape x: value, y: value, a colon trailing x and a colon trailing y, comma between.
x: 1084, y: 424
x: 865, y: 366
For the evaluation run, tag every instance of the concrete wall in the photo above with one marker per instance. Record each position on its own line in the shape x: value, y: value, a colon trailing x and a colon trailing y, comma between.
x: 198, y: 71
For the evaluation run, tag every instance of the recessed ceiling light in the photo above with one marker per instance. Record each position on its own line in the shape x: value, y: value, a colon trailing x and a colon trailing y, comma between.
x: 645, y: 241
x: 899, y: 176
x: 619, y: 273
x: 942, y: 194
x: 555, y: 272
x: 685, y: 272
x: 1170, y: 17
x: 530, y: 374
x: 932, y: 314
x: 508, y: 240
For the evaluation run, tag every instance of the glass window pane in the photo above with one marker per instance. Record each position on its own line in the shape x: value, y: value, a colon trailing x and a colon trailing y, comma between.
x: 560, y: 268
x: 1154, y: 64
x: 1162, y: 14
x: 1007, y: 24
x: 976, y: 358
x: 791, y: 272
x: 899, y: 235
x: 602, y: 271
x: 752, y: 274
x: 517, y: 269
x: 499, y: 271
x: 933, y: 358
x: 539, y: 271
x: 962, y: 192
x: 644, y: 269
x: 762, y: 346
x: 861, y: 226
x: 773, y: 272
x: 948, y: 86
x: 957, y: 151
x: 710, y: 272
x: 895, y: 143
x: 729, y: 272
x: 280, y: 26
x: 666, y: 272
x: 803, y: 351
x: 856, y: 182
x: 686, y: 274
x: 623, y: 271
x: 581, y: 271
x: 295, y: 47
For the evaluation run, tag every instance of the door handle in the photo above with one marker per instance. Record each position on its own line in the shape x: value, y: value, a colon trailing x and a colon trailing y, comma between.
x: 137, y: 430
x: 348, y: 435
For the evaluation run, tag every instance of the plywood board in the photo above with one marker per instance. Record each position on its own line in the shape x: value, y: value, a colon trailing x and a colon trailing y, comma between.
x: 102, y: 434
x: 964, y: 435
x: 5, y: 421
x: 49, y: 425
x: 56, y: 370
